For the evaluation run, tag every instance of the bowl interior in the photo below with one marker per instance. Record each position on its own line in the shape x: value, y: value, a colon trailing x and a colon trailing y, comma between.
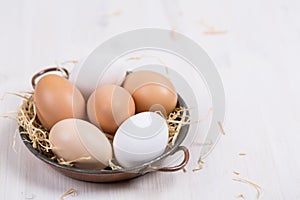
x: 183, y: 133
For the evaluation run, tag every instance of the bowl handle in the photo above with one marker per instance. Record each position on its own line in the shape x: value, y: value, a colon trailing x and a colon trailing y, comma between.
x: 64, y: 72
x: 59, y: 68
x: 174, y: 168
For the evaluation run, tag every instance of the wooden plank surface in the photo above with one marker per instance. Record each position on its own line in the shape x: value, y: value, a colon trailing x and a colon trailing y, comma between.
x: 257, y: 57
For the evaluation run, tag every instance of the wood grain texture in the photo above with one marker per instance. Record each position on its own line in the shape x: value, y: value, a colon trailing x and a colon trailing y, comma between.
x: 257, y: 57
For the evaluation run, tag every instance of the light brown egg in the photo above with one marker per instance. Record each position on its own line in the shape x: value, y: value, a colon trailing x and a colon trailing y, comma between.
x: 151, y: 91
x: 109, y: 106
x: 56, y: 99
x: 81, y: 143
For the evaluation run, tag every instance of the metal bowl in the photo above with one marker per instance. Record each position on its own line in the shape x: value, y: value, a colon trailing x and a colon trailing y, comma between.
x: 121, y: 174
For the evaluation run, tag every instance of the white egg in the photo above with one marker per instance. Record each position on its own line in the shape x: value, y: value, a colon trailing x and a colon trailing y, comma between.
x: 140, y: 139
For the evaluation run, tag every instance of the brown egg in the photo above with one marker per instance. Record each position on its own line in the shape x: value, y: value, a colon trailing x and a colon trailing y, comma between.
x: 151, y: 91
x: 56, y: 99
x: 109, y: 106
x: 80, y: 142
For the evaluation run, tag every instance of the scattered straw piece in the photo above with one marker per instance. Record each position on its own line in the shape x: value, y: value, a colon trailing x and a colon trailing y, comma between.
x: 240, y: 196
x: 69, y: 62
x: 19, y: 95
x: 15, y: 94
x: 117, y: 13
x: 9, y: 117
x: 197, y: 169
x: 135, y: 58
x: 64, y: 71
x: 113, y: 166
x: 205, y: 117
x: 159, y: 59
x: 11, y: 113
x: 221, y: 127
x: 211, y: 30
x: 214, y: 31
x: 71, y: 191
x: 114, y: 14
x: 173, y: 33
x: 70, y: 163
x: 200, y: 165
x: 236, y: 172
x: 257, y: 187
x: 242, y: 154
x: 148, y: 56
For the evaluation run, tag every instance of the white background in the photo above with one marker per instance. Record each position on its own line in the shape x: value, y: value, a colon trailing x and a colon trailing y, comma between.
x: 257, y: 57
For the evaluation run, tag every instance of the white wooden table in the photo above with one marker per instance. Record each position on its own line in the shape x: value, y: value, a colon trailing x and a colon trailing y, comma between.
x: 258, y: 59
